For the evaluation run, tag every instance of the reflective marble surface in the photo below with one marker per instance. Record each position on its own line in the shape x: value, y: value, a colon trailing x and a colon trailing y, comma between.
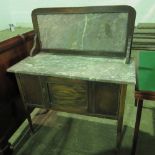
x: 77, y: 67
x: 87, y: 32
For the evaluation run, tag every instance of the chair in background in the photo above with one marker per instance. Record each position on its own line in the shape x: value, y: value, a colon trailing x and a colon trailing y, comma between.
x: 145, y: 87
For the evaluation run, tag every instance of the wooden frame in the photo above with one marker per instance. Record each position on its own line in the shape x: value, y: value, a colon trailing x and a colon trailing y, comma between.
x: 81, y: 10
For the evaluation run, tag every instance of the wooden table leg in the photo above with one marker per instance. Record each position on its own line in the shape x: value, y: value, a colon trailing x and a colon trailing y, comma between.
x: 137, y: 124
x: 136, y: 100
x: 28, y: 116
x: 120, y: 116
x: 25, y: 104
x: 30, y: 123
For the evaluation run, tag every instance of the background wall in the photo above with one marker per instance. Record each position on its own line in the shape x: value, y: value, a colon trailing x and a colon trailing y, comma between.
x: 5, y: 17
x: 18, y: 12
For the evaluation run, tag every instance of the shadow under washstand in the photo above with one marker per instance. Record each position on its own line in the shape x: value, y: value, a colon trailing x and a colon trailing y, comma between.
x: 66, y: 135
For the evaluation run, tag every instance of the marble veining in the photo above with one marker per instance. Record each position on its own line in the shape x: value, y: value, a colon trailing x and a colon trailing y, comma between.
x: 84, y: 29
x: 77, y: 67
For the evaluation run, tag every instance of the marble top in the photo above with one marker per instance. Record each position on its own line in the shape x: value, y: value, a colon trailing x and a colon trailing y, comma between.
x: 104, y: 32
x: 77, y: 67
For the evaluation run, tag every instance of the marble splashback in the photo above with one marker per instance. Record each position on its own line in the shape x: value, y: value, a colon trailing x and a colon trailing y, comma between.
x: 84, y: 32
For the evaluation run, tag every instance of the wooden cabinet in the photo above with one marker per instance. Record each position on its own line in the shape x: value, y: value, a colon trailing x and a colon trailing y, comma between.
x: 82, y: 66
x: 70, y: 95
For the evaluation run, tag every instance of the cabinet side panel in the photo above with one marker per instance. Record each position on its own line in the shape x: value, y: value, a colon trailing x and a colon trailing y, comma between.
x: 107, y: 98
x: 32, y: 90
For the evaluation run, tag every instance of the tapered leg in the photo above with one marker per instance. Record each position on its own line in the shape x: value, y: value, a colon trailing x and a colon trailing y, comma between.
x: 120, y: 116
x: 119, y: 133
x: 137, y: 124
x: 28, y: 116
x: 30, y: 123
x: 136, y: 101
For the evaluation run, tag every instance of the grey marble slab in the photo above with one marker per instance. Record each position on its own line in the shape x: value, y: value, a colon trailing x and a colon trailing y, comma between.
x: 77, y: 67
x: 85, y: 32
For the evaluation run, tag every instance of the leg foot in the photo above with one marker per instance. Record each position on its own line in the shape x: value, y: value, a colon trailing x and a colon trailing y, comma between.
x: 137, y: 124
x: 30, y: 123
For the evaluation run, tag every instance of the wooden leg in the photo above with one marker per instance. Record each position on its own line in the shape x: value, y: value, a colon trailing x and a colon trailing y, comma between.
x: 28, y: 116
x: 30, y: 123
x: 119, y: 133
x: 120, y: 116
x: 137, y: 124
x: 136, y: 101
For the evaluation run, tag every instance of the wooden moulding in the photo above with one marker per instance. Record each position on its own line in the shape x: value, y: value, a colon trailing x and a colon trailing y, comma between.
x: 86, y: 10
x: 145, y: 95
x: 12, y: 51
x: 16, y: 41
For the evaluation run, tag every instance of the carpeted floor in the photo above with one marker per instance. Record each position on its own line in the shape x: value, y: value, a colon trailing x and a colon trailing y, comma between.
x: 58, y: 133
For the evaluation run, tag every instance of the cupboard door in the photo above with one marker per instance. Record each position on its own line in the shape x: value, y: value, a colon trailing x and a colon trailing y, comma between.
x: 68, y: 95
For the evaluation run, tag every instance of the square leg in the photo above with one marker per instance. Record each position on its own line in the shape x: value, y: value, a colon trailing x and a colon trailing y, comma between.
x: 137, y: 124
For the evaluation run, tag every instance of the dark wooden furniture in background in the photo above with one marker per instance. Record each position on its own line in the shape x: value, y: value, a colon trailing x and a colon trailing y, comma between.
x: 83, y: 63
x: 11, y: 112
x: 145, y: 87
